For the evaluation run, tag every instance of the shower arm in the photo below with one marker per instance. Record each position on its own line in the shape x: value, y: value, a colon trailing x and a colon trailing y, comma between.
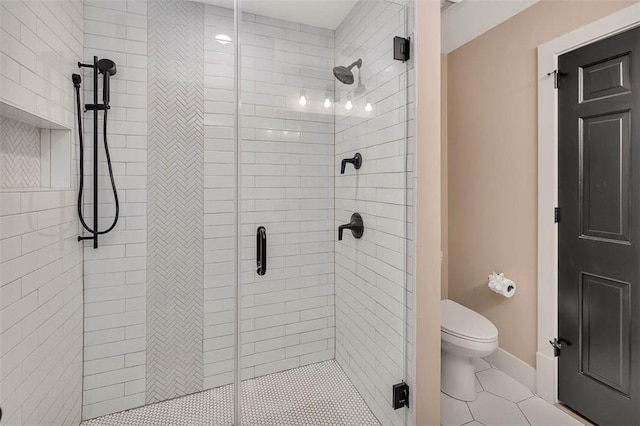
x: 357, y: 63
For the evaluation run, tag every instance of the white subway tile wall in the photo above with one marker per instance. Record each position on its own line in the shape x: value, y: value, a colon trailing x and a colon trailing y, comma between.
x: 219, y: 199
x: 287, y: 180
x: 41, y: 43
x: 40, y: 258
x: 287, y: 315
x: 371, y: 287
x: 115, y: 274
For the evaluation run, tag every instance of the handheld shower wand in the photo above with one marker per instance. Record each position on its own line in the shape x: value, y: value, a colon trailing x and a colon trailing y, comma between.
x: 107, y: 68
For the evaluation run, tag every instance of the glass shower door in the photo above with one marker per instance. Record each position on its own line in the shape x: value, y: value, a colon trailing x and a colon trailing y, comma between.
x: 370, y: 273
x: 323, y: 320
x: 287, y: 313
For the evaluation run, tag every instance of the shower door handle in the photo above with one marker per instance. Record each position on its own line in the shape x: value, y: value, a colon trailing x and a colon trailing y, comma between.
x: 261, y: 250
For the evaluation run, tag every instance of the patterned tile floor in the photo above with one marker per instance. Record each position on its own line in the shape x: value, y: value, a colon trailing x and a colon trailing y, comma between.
x: 501, y: 401
x: 318, y: 394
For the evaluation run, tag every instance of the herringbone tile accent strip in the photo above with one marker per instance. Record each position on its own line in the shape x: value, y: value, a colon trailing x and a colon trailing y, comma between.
x: 175, y: 199
x: 19, y: 154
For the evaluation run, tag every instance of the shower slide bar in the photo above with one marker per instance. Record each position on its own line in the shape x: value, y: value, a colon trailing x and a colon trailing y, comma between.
x: 107, y: 68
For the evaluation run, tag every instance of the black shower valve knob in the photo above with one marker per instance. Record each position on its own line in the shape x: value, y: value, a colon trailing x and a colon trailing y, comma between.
x: 356, y: 226
x: 356, y: 160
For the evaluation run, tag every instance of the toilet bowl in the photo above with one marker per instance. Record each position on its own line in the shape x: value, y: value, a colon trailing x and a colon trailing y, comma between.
x: 465, y: 335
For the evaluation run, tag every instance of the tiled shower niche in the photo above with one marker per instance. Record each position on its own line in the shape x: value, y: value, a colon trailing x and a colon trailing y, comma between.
x: 33, y: 156
x: 19, y: 154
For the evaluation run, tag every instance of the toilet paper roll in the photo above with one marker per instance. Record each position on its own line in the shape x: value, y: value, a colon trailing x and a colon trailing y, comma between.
x: 501, y: 285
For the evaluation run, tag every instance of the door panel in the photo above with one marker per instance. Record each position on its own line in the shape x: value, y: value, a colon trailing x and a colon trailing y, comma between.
x: 605, y: 337
x: 605, y: 78
x: 605, y: 164
x: 598, y: 249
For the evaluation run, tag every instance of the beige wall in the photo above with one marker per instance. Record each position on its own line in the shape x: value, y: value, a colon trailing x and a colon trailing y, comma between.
x: 428, y: 227
x: 492, y: 146
x: 444, y: 176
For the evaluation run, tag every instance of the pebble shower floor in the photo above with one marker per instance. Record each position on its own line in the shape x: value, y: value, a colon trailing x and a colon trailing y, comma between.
x: 318, y: 394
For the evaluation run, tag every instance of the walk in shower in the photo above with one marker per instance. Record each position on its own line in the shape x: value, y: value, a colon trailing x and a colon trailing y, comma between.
x: 262, y: 264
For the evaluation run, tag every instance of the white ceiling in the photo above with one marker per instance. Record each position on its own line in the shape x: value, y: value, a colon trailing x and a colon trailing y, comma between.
x: 318, y: 13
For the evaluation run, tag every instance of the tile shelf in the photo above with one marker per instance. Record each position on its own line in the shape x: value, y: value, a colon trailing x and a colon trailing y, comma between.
x: 13, y: 112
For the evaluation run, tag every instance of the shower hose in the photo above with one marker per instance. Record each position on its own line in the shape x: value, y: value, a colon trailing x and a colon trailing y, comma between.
x: 81, y: 161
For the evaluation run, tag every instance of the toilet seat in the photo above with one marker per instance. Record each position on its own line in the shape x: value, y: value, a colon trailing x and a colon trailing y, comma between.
x: 463, y: 323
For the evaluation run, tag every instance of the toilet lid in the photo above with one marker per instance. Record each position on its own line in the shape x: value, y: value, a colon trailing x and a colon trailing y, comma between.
x: 462, y: 322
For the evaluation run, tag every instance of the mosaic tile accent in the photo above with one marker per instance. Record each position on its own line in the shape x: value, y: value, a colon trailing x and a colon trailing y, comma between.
x: 318, y: 394
x: 19, y: 154
x: 175, y: 199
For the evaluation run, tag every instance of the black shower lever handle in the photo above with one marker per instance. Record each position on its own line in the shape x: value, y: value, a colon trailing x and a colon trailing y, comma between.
x: 356, y: 160
x: 356, y: 225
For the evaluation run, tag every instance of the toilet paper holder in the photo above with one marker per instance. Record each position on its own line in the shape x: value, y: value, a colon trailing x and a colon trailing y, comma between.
x: 498, y: 283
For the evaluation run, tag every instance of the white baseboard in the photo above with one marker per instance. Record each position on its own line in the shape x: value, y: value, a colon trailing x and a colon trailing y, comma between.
x: 546, y: 377
x: 514, y: 367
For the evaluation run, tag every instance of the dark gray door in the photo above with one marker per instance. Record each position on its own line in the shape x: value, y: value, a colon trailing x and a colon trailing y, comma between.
x: 599, y: 230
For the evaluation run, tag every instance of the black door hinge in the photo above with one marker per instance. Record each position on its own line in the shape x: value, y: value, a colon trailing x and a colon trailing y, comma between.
x: 557, y: 345
x: 400, y: 395
x: 556, y: 215
x: 401, y: 49
x: 556, y: 78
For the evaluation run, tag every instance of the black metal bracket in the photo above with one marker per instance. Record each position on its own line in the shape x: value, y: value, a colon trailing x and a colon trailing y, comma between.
x: 556, y: 215
x: 400, y: 395
x: 401, y: 49
x: 98, y: 107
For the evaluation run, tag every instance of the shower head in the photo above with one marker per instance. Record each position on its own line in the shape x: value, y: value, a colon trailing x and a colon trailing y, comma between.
x: 344, y: 74
x: 107, y: 66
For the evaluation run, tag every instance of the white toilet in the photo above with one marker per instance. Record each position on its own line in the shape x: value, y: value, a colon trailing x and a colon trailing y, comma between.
x: 465, y: 335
